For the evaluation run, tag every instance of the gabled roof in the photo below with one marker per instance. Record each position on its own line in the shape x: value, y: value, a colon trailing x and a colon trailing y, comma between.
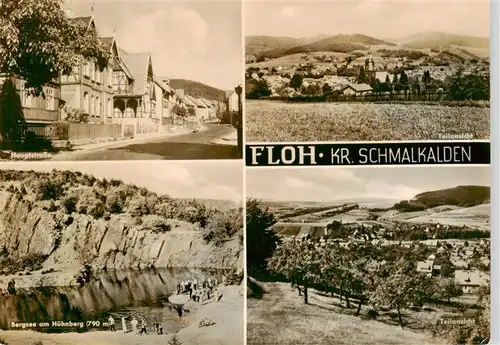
x: 197, y: 101
x: 471, y: 278
x: 228, y: 93
x: 163, y: 85
x: 88, y: 20
x: 207, y: 102
x: 188, y: 101
x: 359, y: 87
x: 139, y: 66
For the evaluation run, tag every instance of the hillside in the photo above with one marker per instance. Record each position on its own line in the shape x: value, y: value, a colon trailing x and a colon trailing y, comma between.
x: 256, y: 45
x: 461, y: 196
x: 281, y: 46
x: 436, y: 40
x: 198, y: 89
x: 69, y: 219
x: 275, y: 46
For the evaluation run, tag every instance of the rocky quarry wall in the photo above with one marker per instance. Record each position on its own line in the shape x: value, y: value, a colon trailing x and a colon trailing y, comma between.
x: 117, y: 243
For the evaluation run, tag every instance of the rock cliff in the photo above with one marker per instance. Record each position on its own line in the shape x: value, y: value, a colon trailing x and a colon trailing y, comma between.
x: 27, y: 230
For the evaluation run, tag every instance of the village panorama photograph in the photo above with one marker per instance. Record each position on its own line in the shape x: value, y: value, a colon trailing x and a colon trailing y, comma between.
x: 121, y: 253
x: 110, y: 80
x: 367, y: 71
x: 389, y: 256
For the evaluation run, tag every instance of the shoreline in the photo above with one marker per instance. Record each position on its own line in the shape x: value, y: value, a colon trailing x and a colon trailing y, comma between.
x: 227, y: 330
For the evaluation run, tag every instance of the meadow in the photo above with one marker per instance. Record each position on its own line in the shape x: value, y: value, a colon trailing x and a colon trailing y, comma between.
x: 274, y: 121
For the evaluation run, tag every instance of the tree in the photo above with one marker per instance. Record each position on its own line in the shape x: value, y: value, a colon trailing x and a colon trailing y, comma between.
x: 179, y: 111
x: 11, y: 114
x: 362, y: 75
x: 399, y: 287
x: 298, y: 261
x: 327, y: 89
x: 261, y: 240
x: 395, y: 79
x: 296, y: 81
x: 255, y: 89
x: 403, y: 79
x: 449, y: 289
x: 76, y: 116
x: 38, y: 42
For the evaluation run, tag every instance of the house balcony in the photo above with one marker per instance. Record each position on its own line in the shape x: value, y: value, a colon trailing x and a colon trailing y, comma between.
x: 41, y: 115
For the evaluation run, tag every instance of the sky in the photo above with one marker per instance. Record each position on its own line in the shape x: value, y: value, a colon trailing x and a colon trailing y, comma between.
x: 389, y: 19
x: 194, y: 40
x: 323, y: 184
x: 221, y: 179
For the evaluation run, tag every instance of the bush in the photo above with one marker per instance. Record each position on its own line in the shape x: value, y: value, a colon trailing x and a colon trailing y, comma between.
x: 49, y: 190
x: 89, y: 203
x: 69, y: 204
x: 223, y: 225
x: 138, y: 206
x: 156, y: 223
x: 115, y: 201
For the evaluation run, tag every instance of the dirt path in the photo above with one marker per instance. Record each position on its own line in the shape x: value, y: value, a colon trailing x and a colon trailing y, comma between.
x: 228, y: 329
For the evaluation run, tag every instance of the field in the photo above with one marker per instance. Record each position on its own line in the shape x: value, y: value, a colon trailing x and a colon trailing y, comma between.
x: 476, y: 216
x: 271, y: 121
x: 281, y: 317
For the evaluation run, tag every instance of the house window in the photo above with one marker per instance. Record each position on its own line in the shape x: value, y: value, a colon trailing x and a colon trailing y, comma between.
x: 86, y: 102
x: 50, y: 101
x: 97, y: 107
x: 92, y: 105
x: 27, y: 97
x: 86, y: 69
x: 92, y: 71
x: 110, y: 77
x: 98, y: 74
x: 110, y: 108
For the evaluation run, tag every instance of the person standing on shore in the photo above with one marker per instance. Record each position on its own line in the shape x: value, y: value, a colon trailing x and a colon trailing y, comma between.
x: 124, y: 325
x: 143, y: 327
x: 134, y: 323
x: 111, y: 323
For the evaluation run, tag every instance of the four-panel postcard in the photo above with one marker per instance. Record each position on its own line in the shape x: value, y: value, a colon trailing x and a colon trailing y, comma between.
x: 247, y: 172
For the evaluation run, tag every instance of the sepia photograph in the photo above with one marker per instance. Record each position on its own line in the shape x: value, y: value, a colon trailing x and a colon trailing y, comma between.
x: 121, y: 253
x: 111, y: 80
x: 382, y: 255
x: 367, y: 71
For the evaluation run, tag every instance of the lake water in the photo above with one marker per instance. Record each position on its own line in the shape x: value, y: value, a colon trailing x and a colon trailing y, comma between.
x: 124, y: 293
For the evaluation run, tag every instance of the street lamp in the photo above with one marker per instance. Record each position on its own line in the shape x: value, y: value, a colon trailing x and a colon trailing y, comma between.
x: 239, y: 121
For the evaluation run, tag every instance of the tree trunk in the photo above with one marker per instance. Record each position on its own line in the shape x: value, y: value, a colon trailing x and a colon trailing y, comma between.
x: 347, y: 301
x: 305, y: 293
x: 400, y: 319
x: 359, y: 306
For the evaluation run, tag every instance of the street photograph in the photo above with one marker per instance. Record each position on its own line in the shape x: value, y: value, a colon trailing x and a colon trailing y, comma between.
x: 380, y: 255
x: 121, y: 253
x: 109, y: 80
x: 367, y: 71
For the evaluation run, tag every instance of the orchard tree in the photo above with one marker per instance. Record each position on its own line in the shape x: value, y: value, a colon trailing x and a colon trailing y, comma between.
x: 448, y: 289
x: 297, y: 260
x: 400, y: 287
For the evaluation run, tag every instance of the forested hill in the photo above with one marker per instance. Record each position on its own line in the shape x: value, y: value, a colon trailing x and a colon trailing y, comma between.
x: 197, y: 89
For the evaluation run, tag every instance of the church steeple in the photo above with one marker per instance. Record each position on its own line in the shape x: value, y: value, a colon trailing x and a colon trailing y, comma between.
x: 369, y: 63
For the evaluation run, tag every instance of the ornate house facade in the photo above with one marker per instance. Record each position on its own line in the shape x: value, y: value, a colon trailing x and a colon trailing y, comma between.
x: 89, y: 89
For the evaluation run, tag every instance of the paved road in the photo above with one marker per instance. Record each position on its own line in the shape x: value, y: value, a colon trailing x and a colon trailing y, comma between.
x: 187, y: 146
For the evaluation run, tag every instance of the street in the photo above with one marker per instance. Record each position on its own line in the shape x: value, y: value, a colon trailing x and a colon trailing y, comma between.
x: 186, y: 146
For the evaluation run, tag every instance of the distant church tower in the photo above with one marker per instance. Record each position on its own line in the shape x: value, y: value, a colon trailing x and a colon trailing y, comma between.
x: 370, y: 67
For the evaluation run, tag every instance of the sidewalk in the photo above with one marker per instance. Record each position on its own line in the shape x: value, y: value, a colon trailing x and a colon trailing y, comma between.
x: 139, y: 138
x: 229, y: 139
